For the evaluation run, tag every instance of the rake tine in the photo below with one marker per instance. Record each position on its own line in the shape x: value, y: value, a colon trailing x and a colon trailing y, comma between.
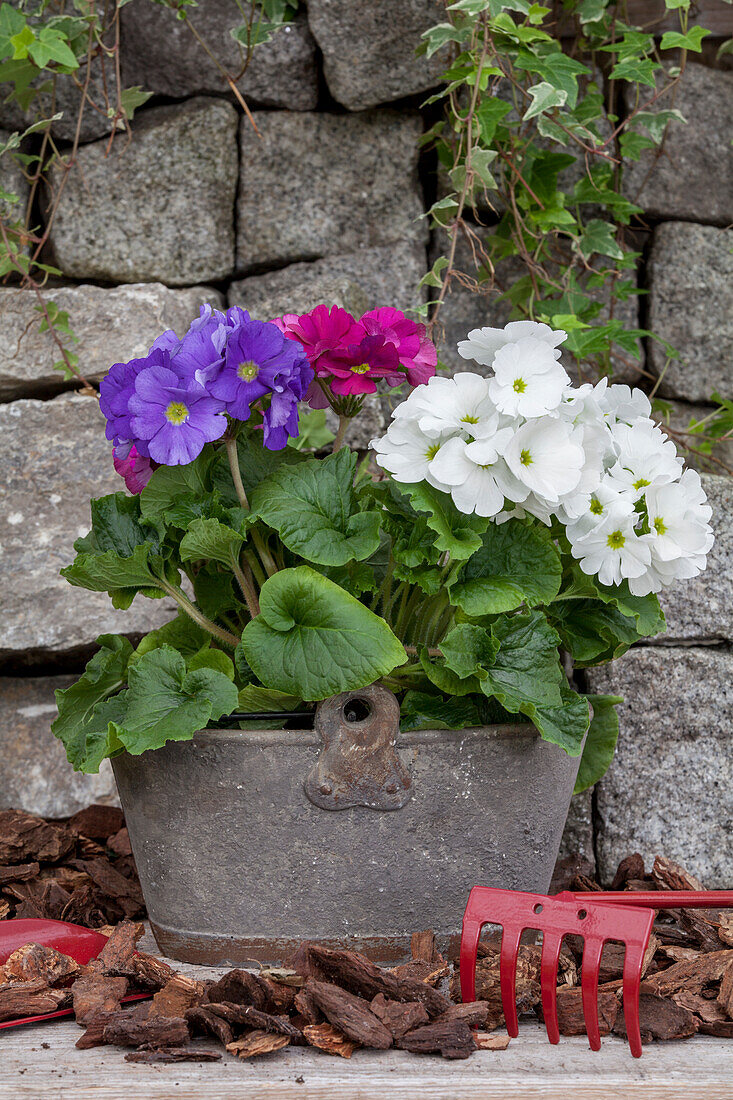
x: 592, y: 951
x: 633, y: 962
x: 469, y: 953
x: 508, y: 976
x: 551, y: 944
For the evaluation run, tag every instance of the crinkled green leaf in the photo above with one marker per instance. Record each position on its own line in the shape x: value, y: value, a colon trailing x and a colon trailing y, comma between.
x: 516, y: 564
x: 210, y: 540
x: 182, y: 633
x: 469, y: 650
x: 565, y: 725
x: 313, y: 640
x: 313, y: 508
x: 208, y: 657
x: 457, y: 534
x: 167, y: 703
x: 593, y: 632
x: 80, y: 718
x: 600, y: 744
x: 169, y: 483
x: 527, y: 667
x: 644, y: 610
x: 420, y: 711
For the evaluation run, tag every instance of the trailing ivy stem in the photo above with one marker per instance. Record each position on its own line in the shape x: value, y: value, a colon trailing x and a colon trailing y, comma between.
x: 193, y: 612
x: 339, y: 440
x: 246, y: 583
x: 233, y: 456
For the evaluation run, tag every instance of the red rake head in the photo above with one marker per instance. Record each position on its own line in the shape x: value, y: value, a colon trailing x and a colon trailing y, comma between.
x: 555, y: 917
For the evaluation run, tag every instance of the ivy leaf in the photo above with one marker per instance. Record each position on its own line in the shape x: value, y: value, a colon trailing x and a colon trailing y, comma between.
x: 313, y: 508
x: 637, y: 70
x: 313, y: 640
x: 167, y: 703
x: 79, y: 716
x: 458, y: 535
x: 599, y: 236
x: 544, y: 98
x: 420, y: 711
x: 210, y: 540
x: 673, y: 40
x: 600, y: 744
x: 516, y: 564
x: 131, y: 99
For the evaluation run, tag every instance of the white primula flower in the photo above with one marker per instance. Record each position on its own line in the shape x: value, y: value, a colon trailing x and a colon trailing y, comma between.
x: 406, y: 453
x: 603, y: 502
x: 620, y: 403
x: 528, y: 381
x: 678, y: 522
x: 546, y: 456
x: 661, y: 574
x: 482, y: 344
x: 646, y: 457
x: 613, y: 551
x: 479, y: 479
x: 461, y: 403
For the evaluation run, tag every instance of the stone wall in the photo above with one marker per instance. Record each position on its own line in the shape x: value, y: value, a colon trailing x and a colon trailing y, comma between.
x: 324, y: 204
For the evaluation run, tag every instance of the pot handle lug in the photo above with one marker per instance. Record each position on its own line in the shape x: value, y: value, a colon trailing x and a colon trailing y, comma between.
x: 358, y: 764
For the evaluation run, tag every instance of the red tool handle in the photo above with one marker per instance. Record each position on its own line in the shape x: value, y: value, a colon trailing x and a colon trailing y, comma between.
x: 662, y: 899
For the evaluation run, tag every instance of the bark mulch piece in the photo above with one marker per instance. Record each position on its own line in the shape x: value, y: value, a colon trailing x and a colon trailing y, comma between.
x: 451, y: 1038
x: 34, y: 960
x: 173, y: 1054
x: 34, y: 998
x: 256, y: 1043
x: 79, y: 870
x: 350, y: 1014
x: 329, y: 1039
x: 128, y: 1029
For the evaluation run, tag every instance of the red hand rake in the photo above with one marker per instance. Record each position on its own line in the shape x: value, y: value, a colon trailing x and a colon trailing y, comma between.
x: 625, y: 916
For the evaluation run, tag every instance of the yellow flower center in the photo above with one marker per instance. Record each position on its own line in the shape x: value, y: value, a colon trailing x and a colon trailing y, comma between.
x: 519, y: 385
x: 660, y: 526
x: 615, y: 540
x: 177, y: 412
x: 640, y: 483
x: 248, y: 370
x: 468, y: 419
x: 432, y: 451
x: 360, y: 368
x: 596, y: 507
x: 525, y: 458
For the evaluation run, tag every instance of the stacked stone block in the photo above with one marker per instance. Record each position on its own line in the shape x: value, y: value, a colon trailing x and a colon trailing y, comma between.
x: 323, y: 202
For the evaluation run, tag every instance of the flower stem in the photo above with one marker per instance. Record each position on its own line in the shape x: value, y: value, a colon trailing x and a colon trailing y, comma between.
x: 339, y: 440
x: 265, y: 556
x: 193, y: 612
x: 246, y: 583
x: 233, y: 456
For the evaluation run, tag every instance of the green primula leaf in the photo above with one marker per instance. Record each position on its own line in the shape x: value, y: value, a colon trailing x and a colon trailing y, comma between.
x: 313, y: 640
x: 444, y: 678
x: 79, y: 716
x: 313, y: 432
x: 182, y: 633
x: 108, y: 572
x: 254, y: 698
x: 312, y: 507
x: 167, y: 703
x: 469, y: 650
x: 118, y: 525
x: 593, y: 632
x: 565, y: 725
x: 210, y: 540
x: 527, y: 667
x: 420, y: 711
x: 516, y: 564
x: 457, y: 534
x: 644, y: 610
x: 214, y: 591
x: 600, y: 744
x: 212, y: 658
x: 101, y: 740
x: 255, y: 464
x: 169, y: 483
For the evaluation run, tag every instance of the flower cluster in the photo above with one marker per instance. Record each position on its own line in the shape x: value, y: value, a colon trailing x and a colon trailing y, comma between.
x: 349, y: 357
x: 162, y: 409
x: 525, y: 441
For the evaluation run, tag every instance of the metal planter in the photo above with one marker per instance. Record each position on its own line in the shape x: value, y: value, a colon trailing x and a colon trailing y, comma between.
x: 247, y: 842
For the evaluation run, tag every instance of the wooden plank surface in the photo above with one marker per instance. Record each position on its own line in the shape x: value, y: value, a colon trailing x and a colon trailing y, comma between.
x: 41, y: 1063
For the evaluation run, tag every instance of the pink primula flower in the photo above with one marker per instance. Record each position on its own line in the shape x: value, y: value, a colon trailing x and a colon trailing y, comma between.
x: 352, y: 355
x: 135, y: 468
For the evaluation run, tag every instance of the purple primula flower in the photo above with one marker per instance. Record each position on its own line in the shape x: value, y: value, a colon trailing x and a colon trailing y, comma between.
x: 259, y: 362
x: 200, y: 353
x: 135, y: 468
x: 173, y: 417
x: 116, y: 389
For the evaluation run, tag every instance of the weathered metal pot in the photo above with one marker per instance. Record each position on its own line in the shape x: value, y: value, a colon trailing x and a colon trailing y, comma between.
x: 247, y: 842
